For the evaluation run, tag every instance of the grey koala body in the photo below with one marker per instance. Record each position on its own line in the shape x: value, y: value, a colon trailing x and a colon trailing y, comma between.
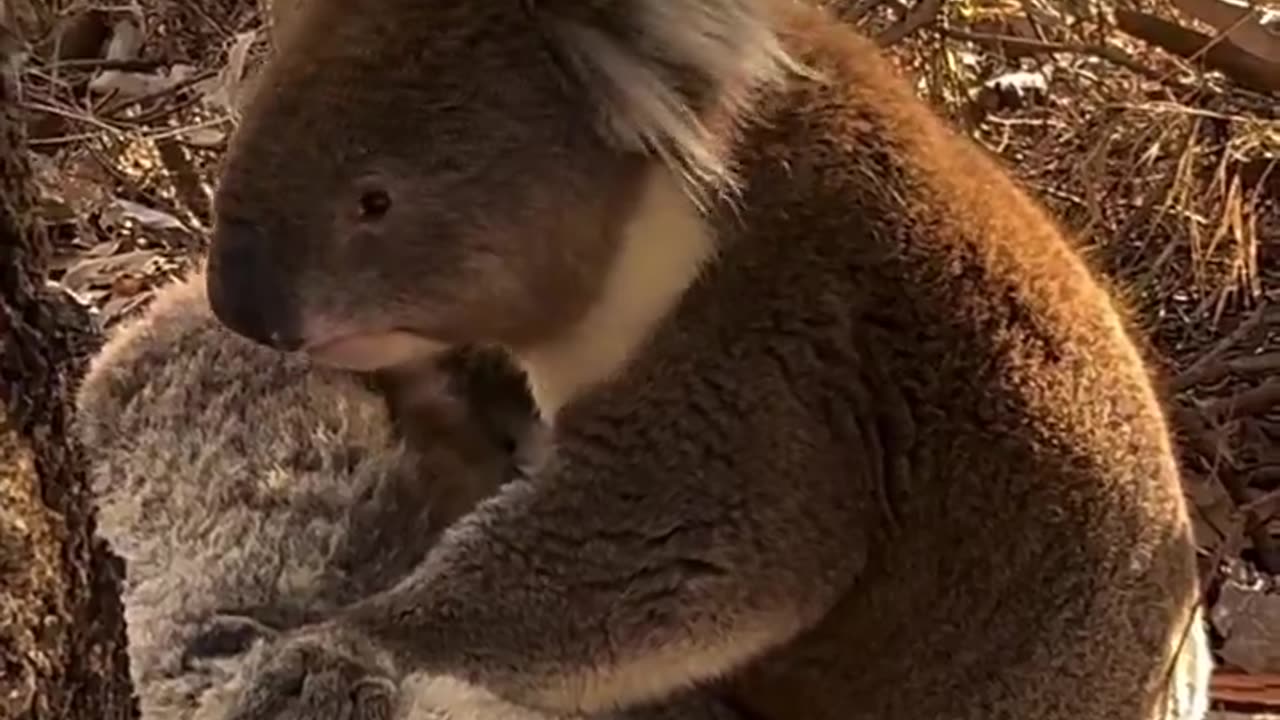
x: 843, y: 425
x: 250, y: 493
x: 246, y: 491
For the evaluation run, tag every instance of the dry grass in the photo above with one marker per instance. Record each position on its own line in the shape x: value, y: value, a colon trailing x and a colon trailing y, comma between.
x: 1170, y: 178
x: 1168, y: 174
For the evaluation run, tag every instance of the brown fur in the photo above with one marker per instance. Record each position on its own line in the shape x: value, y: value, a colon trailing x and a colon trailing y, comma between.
x: 842, y: 422
x: 472, y: 405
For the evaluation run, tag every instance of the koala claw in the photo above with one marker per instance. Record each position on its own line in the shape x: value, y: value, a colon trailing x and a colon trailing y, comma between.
x: 318, y: 675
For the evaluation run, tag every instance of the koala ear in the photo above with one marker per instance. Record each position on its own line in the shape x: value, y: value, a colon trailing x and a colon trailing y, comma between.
x: 659, y: 68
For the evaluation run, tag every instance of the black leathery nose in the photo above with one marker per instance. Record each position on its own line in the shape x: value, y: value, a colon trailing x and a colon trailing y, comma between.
x: 246, y: 287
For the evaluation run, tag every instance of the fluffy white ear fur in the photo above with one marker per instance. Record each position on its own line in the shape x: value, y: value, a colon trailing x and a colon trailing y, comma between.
x: 642, y: 57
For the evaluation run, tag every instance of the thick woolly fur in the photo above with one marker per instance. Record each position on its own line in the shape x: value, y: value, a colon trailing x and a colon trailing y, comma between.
x: 226, y: 476
x: 247, y: 492
x: 250, y: 492
x: 843, y: 425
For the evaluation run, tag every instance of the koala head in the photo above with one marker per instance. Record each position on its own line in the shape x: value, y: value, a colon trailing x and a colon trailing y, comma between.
x: 412, y: 176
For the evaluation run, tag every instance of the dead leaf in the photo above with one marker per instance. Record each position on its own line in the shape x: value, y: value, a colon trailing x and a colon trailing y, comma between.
x: 225, y: 90
x: 62, y: 263
x: 125, y: 44
x: 136, y: 84
x: 103, y: 271
x: 72, y: 185
x: 1247, y: 614
x: 103, y: 249
x: 206, y: 137
x: 150, y: 218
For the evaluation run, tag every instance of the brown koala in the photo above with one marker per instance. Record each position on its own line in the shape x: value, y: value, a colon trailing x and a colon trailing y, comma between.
x: 843, y: 425
x: 250, y: 493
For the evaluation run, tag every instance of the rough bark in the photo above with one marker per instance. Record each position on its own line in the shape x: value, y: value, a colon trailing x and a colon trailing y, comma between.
x: 62, y: 643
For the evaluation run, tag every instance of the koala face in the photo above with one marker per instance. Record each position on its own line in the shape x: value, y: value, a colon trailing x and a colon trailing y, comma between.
x: 412, y: 176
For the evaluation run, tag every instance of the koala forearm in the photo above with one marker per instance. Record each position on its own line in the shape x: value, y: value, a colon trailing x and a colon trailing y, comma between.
x: 575, y: 601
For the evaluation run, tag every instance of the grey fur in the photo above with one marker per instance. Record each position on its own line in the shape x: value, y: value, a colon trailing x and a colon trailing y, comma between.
x: 234, y: 482
x: 250, y: 492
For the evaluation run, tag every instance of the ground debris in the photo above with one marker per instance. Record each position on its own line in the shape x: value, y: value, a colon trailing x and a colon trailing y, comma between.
x: 1247, y: 616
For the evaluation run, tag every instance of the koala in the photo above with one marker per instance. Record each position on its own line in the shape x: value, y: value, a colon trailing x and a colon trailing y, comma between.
x: 470, y: 412
x: 250, y: 493
x: 842, y: 425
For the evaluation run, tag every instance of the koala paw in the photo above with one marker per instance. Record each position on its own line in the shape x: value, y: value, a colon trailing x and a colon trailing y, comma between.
x: 319, y: 673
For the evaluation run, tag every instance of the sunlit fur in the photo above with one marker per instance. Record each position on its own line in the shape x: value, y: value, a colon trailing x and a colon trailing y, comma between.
x: 844, y: 425
x: 729, y: 45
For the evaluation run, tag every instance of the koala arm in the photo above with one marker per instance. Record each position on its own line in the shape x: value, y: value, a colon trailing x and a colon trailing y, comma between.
x: 643, y: 558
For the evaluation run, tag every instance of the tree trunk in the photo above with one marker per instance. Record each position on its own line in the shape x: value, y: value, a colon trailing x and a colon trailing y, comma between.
x: 62, y: 643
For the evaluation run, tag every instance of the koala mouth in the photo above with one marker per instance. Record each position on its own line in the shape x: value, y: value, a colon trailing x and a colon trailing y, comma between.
x: 370, y: 351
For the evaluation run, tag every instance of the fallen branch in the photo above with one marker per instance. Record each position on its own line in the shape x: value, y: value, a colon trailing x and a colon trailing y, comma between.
x: 105, y: 64
x: 1254, y: 401
x: 1028, y: 46
x: 1245, y: 26
x: 1241, y: 66
x: 1244, y: 365
x: 1261, y: 689
x: 1199, y: 370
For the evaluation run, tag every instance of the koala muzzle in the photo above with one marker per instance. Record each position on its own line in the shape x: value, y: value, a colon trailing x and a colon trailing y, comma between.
x: 247, y: 289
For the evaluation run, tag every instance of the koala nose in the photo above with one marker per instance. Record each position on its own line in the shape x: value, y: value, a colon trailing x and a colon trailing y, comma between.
x: 246, y: 287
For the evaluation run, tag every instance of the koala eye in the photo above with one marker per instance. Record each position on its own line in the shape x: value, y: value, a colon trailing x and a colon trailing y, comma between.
x: 374, y: 204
